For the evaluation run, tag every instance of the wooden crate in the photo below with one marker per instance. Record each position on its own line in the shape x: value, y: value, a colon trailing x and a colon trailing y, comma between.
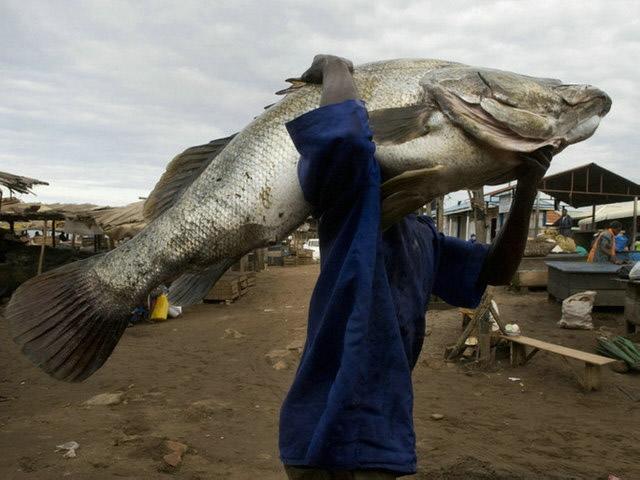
x: 290, y: 261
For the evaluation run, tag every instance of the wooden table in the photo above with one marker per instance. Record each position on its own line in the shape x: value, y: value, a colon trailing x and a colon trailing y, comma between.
x: 568, y: 278
x: 532, y: 271
x: 631, y: 304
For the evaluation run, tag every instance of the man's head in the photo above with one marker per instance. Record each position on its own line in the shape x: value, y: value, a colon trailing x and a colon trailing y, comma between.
x: 616, y: 226
x: 472, y: 237
x: 564, y: 211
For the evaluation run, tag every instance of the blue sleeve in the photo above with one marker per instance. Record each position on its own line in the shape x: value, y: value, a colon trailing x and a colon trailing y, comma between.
x: 457, y: 276
x: 336, y: 153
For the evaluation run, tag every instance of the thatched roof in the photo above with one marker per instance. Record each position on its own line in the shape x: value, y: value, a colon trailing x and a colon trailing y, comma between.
x: 84, y: 219
x: 120, y: 222
x: 19, y: 184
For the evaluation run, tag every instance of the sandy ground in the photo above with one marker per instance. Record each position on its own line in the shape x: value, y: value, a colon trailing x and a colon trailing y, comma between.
x: 204, y: 380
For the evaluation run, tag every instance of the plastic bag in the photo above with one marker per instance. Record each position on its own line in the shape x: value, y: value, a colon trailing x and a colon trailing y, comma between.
x: 634, y: 274
x: 576, y: 311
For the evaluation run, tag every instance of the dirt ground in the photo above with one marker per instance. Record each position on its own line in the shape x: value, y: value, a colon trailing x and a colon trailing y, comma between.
x: 205, y: 380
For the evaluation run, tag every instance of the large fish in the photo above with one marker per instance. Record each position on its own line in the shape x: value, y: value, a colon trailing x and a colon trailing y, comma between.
x: 439, y: 127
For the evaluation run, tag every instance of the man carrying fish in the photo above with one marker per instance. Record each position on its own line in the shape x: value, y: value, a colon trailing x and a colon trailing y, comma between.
x: 348, y: 414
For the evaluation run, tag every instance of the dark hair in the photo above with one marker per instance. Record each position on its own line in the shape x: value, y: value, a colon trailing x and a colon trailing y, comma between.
x: 615, y: 224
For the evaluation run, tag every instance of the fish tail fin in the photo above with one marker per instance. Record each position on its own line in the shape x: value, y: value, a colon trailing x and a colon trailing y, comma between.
x: 191, y: 288
x: 64, y: 323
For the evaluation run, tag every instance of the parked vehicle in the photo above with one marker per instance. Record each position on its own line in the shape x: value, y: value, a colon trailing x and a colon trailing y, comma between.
x: 313, y: 244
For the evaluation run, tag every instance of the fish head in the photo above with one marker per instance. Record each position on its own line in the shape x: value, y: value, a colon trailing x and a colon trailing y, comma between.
x: 516, y: 112
x: 586, y: 106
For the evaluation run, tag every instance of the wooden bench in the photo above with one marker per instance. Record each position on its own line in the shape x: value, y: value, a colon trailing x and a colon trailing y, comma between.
x: 590, y: 380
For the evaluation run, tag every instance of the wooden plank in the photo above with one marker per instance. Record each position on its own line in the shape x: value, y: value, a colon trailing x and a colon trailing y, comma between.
x: 560, y: 350
x: 497, y: 318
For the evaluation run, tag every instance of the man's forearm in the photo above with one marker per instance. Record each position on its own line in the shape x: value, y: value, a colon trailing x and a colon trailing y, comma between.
x: 337, y: 84
x: 506, y: 252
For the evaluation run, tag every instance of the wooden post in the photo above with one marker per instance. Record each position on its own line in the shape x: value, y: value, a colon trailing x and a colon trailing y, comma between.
x: 536, y: 224
x: 44, y: 241
x: 593, y: 217
x: 592, y: 377
x: 53, y: 233
x: 12, y: 228
x: 518, y: 354
x: 484, y: 340
x: 73, y: 241
x: 440, y: 213
x: 634, y: 230
x: 476, y: 199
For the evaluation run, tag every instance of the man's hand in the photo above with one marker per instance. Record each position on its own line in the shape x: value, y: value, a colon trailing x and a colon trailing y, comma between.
x: 322, y: 64
x: 535, y: 165
x: 506, y: 251
x: 335, y: 76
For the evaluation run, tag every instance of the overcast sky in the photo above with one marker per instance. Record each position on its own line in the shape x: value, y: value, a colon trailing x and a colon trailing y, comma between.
x: 97, y: 96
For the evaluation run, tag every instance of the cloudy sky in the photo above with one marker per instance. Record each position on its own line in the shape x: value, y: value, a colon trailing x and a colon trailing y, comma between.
x: 97, y: 96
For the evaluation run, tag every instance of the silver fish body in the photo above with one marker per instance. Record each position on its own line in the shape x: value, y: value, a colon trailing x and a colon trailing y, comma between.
x: 473, y: 126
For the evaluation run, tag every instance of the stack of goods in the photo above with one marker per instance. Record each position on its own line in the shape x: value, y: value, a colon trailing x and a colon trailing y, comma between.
x: 227, y: 289
x: 275, y: 256
x: 305, y: 257
x: 290, y: 261
x: 538, y: 247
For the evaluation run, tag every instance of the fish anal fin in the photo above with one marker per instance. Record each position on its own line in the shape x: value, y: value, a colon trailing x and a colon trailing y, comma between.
x: 399, y: 125
x: 179, y: 174
x: 191, y: 288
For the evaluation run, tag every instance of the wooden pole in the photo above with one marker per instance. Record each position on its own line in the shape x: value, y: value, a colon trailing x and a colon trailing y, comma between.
x: 53, y: 233
x: 440, y: 213
x: 73, y: 241
x: 634, y: 230
x: 478, y: 206
x: 536, y: 225
x: 44, y: 241
x: 593, y: 217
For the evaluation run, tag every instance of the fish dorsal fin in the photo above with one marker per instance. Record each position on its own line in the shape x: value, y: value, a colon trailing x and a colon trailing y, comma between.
x: 180, y: 173
x: 399, y: 125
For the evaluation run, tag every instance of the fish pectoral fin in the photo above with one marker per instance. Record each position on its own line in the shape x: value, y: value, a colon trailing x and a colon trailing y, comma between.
x: 180, y: 173
x: 406, y: 193
x: 191, y: 288
x: 397, y: 206
x: 410, y: 181
x: 399, y: 125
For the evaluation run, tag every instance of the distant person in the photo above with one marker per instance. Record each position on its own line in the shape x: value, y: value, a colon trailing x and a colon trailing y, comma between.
x: 622, y: 242
x: 473, y: 238
x: 603, y: 249
x: 564, y: 224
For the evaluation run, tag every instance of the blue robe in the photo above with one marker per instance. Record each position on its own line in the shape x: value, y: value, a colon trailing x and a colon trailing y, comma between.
x: 350, y: 405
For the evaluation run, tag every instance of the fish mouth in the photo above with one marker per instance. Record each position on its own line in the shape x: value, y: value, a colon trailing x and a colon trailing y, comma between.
x: 587, y: 97
x: 589, y: 104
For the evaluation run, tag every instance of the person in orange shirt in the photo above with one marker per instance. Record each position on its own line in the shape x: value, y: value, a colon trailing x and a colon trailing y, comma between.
x: 603, y: 249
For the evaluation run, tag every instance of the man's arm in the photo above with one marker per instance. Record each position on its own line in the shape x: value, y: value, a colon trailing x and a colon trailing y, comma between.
x: 506, y: 251
x: 335, y: 75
